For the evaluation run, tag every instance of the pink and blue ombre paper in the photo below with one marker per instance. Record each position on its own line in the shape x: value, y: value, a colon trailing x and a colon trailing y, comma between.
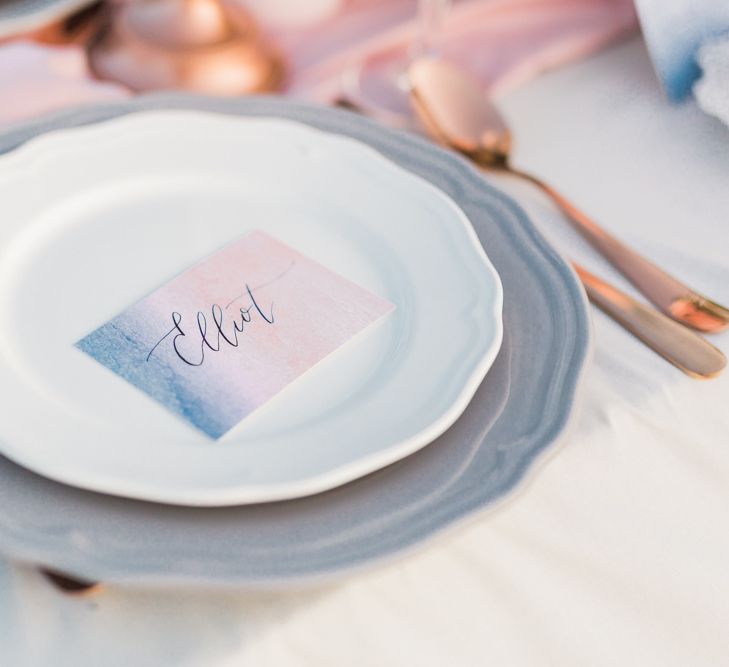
x: 231, y: 332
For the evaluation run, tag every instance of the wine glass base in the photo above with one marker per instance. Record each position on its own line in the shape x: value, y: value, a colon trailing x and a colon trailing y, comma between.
x: 379, y: 86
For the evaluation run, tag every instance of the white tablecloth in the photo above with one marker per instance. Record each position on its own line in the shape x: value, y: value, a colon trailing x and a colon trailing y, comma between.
x: 615, y: 553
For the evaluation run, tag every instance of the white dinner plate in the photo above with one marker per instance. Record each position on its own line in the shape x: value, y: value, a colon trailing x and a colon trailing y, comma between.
x: 95, y: 218
x: 516, y: 420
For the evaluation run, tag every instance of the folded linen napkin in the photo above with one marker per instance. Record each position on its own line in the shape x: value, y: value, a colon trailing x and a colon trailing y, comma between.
x: 674, y: 32
x: 712, y: 90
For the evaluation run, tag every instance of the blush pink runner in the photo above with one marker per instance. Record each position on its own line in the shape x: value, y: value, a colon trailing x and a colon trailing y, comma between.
x: 504, y: 42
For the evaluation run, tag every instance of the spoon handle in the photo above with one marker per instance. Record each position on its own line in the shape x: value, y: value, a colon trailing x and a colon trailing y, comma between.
x: 675, y: 343
x: 665, y: 291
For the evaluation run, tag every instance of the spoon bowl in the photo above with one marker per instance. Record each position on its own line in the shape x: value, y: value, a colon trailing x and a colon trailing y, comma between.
x: 454, y: 110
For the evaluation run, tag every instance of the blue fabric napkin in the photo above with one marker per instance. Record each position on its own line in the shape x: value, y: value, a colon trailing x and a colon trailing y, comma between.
x: 674, y: 31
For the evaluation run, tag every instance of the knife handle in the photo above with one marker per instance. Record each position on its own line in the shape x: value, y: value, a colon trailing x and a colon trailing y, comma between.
x: 682, y: 347
x: 667, y: 293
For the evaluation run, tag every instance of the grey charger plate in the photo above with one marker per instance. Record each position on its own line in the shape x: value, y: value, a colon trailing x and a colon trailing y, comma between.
x: 521, y: 410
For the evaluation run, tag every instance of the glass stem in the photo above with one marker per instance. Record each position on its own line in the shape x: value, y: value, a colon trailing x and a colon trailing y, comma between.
x: 431, y: 17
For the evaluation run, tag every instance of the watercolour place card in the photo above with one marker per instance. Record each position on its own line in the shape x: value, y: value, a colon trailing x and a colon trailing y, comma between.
x: 228, y: 334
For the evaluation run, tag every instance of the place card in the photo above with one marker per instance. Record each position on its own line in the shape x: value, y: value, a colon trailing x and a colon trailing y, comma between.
x: 232, y: 331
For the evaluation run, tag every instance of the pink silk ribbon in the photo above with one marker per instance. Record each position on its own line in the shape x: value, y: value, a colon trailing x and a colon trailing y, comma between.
x: 503, y: 42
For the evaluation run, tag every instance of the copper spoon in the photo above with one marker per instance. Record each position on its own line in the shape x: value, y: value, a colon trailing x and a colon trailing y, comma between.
x: 455, y: 111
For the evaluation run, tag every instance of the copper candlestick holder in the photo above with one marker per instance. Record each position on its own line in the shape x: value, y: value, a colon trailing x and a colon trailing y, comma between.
x: 204, y: 46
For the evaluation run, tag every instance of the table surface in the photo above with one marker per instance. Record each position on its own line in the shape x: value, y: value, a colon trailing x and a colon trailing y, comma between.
x: 616, y: 552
